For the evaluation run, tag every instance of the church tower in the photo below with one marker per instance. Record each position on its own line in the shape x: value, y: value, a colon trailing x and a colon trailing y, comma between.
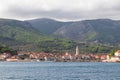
x: 77, y: 51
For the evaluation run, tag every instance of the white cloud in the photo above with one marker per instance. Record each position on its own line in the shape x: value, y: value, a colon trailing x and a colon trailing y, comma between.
x: 60, y: 9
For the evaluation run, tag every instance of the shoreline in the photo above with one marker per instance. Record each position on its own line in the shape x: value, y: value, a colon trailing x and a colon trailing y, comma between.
x: 103, y: 61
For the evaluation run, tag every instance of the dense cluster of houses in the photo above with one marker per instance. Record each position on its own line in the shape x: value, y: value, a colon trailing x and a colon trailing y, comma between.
x: 65, y: 57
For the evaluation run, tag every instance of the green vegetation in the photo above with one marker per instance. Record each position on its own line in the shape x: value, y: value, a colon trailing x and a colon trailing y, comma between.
x: 46, y: 26
x: 21, y: 35
x: 57, y: 45
x: 112, y: 53
x: 97, y: 48
x: 4, y: 49
x: 19, y: 31
x: 103, y: 31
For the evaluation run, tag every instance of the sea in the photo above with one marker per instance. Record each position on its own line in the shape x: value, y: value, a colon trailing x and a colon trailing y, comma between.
x: 59, y: 71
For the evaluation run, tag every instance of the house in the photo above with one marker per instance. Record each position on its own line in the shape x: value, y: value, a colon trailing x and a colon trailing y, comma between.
x: 4, y: 56
x: 103, y: 57
x: 115, y: 58
x: 13, y: 59
x: 117, y: 53
x: 67, y: 57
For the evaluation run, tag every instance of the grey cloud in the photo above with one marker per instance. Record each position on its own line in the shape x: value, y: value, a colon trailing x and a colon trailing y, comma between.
x: 102, y: 9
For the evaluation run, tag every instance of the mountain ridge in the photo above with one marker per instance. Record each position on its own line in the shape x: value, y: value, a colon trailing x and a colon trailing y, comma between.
x: 21, y: 35
x: 47, y: 26
x: 100, y: 30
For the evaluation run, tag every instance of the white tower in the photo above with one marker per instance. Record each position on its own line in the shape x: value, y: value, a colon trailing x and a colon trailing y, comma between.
x: 77, y: 51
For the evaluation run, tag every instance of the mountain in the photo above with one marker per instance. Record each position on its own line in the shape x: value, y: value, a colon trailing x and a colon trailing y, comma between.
x: 18, y: 34
x: 47, y: 26
x: 21, y: 35
x: 19, y: 31
x: 99, y: 30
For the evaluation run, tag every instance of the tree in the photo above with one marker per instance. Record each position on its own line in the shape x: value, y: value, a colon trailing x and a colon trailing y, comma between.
x: 112, y: 53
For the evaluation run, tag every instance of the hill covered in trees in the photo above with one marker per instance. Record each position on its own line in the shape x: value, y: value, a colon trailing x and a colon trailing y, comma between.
x: 47, y: 26
x: 105, y: 31
x: 20, y: 35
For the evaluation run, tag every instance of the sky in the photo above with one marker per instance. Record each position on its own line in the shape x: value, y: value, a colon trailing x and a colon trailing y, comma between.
x: 65, y: 10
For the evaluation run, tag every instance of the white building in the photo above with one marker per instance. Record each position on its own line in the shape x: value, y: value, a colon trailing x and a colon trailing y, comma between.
x: 117, y: 53
x: 77, y: 51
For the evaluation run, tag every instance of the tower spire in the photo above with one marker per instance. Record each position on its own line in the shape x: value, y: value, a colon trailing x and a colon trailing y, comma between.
x: 77, y: 50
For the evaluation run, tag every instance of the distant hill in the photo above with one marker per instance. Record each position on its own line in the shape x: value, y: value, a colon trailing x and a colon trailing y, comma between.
x: 47, y: 26
x: 21, y: 35
x: 99, y: 30
x: 19, y: 31
x: 18, y: 34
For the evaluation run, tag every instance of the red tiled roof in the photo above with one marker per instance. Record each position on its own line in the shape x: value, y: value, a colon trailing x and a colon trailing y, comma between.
x: 118, y: 51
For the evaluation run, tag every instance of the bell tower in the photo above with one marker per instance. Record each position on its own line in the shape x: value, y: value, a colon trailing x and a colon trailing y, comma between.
x: 77, y: 51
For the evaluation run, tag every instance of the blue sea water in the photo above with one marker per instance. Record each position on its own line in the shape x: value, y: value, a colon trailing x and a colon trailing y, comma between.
x: 59, y: 71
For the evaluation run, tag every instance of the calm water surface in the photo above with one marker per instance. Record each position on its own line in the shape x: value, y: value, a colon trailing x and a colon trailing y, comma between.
x: 59, y: 71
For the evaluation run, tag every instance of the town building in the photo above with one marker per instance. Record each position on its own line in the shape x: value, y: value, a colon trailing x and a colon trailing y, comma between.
x: 115, y: 58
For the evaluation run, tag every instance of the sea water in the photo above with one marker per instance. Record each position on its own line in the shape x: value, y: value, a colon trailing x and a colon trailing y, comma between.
x: 59, y: 71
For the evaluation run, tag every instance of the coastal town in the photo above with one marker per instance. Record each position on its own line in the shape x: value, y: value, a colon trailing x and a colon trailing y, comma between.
x: 57, y: 57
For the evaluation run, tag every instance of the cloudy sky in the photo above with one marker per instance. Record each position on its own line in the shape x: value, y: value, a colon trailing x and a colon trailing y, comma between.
x: 60, y: 9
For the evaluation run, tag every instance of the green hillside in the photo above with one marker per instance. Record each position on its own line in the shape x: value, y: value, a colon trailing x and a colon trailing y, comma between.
x: 47, y: 26
x: 21, y: 35
x: 19, y: 31
x: 104, y: 31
